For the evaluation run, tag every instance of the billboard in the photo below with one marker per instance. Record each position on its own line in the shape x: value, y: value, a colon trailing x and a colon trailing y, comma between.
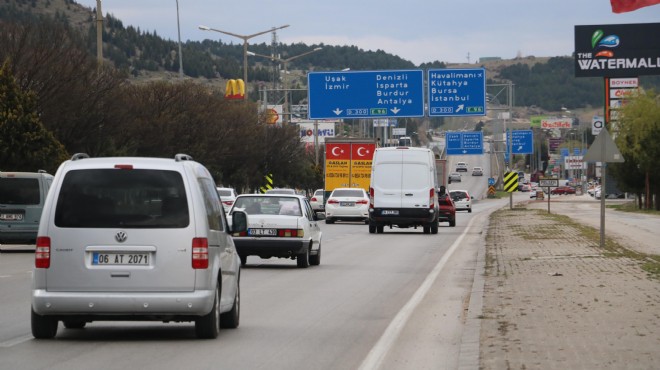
x: 324, y: 129
x: 617, y: 50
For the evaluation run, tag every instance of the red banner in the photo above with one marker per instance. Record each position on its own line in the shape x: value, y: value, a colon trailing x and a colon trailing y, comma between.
x: 622, y: 6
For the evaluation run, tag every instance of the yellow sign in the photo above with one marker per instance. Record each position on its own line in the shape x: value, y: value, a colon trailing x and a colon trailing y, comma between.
x: 511, y: 181
x: 235, y: 89
x: 272, y: 116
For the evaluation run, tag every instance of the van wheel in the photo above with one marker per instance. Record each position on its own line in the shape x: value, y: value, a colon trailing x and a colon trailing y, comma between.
x: 208, y: 326
x: 303, y: 259
x: 43, y: 327
x: 470, y: 210
x: 231, y: 319
x: 452, y: 222
x: 380, y: 229
x: 315, y: 259
x: 74, y: 324
x: 434, y: 227
x: 372, y: 228
x: 427, y: 229
x: 329, y: 221
x: 243, y: 260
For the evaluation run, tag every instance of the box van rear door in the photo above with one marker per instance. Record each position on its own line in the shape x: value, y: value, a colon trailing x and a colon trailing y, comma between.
x: 387, y: 181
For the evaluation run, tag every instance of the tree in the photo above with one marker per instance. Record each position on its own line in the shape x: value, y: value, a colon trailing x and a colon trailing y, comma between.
x: 25, y: 144
x: 638, y: 139
x: 76, y: 100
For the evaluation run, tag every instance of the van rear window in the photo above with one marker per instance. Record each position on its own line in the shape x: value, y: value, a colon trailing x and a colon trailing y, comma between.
x: 24, y: 191
x: 116, y: 198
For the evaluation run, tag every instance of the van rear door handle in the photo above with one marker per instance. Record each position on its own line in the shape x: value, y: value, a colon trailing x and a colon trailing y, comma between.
x: 409, y: 195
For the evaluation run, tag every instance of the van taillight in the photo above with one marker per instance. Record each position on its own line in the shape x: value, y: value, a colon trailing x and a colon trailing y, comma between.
x: 42, y: 253
x: 200, y: 253
x: 124, y: 166
x: 431, y: 196
x: 371, y: 197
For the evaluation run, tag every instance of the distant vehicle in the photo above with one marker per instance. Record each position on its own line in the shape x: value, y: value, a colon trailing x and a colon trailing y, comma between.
x: 461, y: 167
x: 405, y: 141
x: 279, y: 225
x: 477, y: 171
x: 524, y: 187
x: 454, y: 177
x: 347, y: 204
x: 227, y: 197
x: 22, y: 198
x: 563, y: 190
x: 316, y: 201
x: 462, y: 200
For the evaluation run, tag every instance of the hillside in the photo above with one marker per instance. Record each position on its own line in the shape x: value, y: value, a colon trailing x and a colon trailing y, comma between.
x: 542, y: 85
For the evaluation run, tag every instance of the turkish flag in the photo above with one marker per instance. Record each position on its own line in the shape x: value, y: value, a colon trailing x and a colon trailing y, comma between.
x: 622, y: 6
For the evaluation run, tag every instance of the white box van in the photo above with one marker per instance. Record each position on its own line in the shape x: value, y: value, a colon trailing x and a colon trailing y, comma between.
x: 403, y: 189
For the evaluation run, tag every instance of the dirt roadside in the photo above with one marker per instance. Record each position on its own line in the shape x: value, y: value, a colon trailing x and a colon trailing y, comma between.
x: 552, y: 299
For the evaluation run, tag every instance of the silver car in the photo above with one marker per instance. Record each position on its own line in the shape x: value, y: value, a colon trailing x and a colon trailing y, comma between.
x: 135, y: 239
x: 282, y: 226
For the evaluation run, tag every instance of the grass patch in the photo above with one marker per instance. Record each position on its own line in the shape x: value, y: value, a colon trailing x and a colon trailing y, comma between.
x: 554, y: 226
x: 649, y: 263
x: 632, y: 207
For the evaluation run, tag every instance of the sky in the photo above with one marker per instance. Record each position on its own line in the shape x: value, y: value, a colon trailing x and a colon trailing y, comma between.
x: 456, y: 31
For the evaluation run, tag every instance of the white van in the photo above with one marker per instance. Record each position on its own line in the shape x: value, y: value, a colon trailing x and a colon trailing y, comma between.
x: 403, y: 189
x: 125, y: 239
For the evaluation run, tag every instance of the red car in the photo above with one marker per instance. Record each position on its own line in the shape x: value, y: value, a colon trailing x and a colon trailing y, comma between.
x: 563, y: 190
x: 447, y: 211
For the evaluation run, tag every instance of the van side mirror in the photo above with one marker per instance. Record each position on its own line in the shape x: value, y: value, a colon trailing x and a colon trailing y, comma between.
x: 239, y: 221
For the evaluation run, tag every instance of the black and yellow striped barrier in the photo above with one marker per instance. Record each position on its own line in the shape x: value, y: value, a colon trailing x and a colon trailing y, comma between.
x: 510, y: 181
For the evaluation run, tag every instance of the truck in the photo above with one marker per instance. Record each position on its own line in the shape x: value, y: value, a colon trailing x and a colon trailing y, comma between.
x: 348, y: 163
x: 441, y: 170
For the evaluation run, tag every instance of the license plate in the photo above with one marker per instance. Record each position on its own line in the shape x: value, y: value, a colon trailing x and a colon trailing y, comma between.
x: 139, y: 259
x: 262, y: 232
x: 11, y: 217
x: 390, y: 212
x: 347, y: 204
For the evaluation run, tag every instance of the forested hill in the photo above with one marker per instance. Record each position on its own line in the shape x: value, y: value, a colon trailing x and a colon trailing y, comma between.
x: 548, y: 84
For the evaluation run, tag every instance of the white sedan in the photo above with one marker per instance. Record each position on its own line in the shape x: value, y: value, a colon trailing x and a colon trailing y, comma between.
x: 347, y: 204
x: 279, y: 225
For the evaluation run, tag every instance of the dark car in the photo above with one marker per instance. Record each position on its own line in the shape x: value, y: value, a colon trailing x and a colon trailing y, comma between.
x: 447, y: 210
x: 563, y: 190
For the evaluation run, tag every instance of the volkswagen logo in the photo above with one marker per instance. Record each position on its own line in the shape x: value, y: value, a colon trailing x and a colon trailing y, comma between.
x: 121, y: 237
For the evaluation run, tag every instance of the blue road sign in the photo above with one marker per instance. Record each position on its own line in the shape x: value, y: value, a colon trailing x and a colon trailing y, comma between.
x: 457, y: 92
x: 462, y: 143
x: 522, y: 142
x: 366, y: 94
x: 491, y: 181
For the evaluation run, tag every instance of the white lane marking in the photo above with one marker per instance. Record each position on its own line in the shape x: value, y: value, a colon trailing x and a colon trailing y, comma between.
x: 380, y: 349
x: 15, y: 341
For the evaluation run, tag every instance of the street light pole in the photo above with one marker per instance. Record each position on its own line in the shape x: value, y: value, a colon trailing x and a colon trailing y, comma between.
x: 285, y: 63
x: 245, y: 39
x: 178, y: 27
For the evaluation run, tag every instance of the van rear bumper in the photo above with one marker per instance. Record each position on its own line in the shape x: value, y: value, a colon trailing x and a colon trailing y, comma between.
x: 18, y: 235
x: 402, y: 216
x: 106, y: 305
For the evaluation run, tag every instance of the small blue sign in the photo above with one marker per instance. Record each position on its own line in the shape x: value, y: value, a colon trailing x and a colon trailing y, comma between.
x: 491, y: 181
x: 457, y: 92
x: 565, y: 152
x: 464, y: 143
x: 522, y: 142
x: 366, y: 94
x: 576, y: 151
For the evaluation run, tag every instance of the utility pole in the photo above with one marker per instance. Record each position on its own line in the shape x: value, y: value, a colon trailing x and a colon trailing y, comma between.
x: 99, y: 34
